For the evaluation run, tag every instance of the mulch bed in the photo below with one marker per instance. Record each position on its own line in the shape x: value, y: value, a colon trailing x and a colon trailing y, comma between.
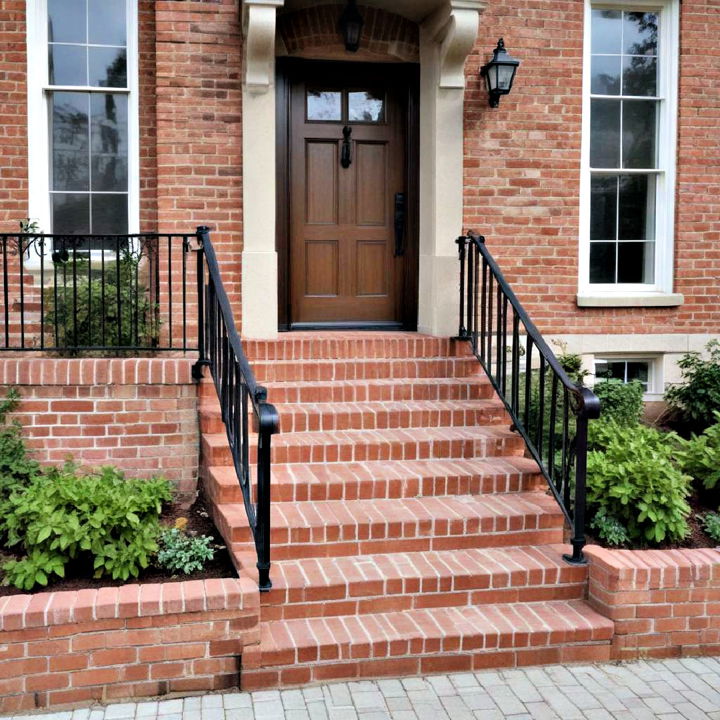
x: 199, y: 521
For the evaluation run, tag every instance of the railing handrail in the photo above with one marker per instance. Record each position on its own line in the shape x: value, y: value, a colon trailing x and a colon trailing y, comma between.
x: 232, y: 406
x: 586, y: 404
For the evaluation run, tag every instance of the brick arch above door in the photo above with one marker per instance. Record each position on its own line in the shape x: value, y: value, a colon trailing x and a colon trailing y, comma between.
x: 312, y: 32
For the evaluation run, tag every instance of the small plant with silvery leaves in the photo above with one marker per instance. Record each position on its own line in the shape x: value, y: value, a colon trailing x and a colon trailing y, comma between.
x: 183, y: 553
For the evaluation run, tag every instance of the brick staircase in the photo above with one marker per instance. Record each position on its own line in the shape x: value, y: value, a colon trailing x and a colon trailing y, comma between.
x: 409, y: 532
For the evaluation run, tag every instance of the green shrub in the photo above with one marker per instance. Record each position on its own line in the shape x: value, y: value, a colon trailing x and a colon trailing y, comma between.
x: 183, y: 553
x: 635, y: 481
x: 699, y: 456
x: 95, y: 308
x: 609, y: 529
x: 711, y: 525
x: 16, y: 467
x: 101, y: 519
x: 619, y: 401
x: 698, y: 397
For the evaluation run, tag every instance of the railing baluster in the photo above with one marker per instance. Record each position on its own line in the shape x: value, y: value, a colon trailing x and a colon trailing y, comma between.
x: 21, y: 258
x: 6, y: 296
x: 496, y: 300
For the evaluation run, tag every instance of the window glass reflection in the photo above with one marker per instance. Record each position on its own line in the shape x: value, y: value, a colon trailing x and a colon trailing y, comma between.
x: 324, y: 105
x: 366, y: 106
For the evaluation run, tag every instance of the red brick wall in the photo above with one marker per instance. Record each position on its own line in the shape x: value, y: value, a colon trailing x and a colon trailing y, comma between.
x: 67, y: 648
x: 139, y: 415
x: 13, y: 115
x: 522, y: 168
x: 665, y: 603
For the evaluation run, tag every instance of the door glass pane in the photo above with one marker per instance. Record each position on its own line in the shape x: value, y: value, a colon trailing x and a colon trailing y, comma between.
x: 110, y: 214
x: 605, y: 75
x: 106, y: 22
x: 636, y: 262
x: 639, y: 133
x: 109, y: 142
x: 606, y: 31
x: 605, y: 133
x: 637, y: 207
x: 602, y: 262
x: 366, y: 106
x: 639, y: 76
x: 71, y: 213
x: 640, y: 33
x: 66, y: 21
x: 108, y: 67
x: 603, y: 208
x: 324, y: 105
x: 70, y: 141
x: 67, y: 64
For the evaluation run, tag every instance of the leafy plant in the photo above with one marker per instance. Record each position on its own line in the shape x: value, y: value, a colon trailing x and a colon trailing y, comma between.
x: 699, y: 456
x: 711, y: 525
x: 609, y: 529
x: 107, y: 306
x: 635, y: 481
x: 16, y: 467
x: 571, y: 363
x: 620, y: 402
x: 184, y: 553
x: 698, y: 397
x: 99, y: 518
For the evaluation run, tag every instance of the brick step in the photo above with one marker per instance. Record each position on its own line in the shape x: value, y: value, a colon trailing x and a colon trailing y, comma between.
x: 400, y: 479
x: 335, y: 528
x: 311, y: 417
x: 364, y: 369
x: 301, y: 651
x: 361, y: 445
x: 333, y: 345
x: 315, y: 587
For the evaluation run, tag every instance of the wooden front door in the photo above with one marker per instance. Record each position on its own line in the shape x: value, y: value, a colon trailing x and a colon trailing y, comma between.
x: 351, y: 209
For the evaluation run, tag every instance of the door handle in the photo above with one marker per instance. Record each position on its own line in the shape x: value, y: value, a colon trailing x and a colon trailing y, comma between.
x: 400, y: 221
x: 346, y: 154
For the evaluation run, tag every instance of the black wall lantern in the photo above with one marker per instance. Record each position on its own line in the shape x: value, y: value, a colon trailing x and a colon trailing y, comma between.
x: 351, y: 25
x: 499, y: 73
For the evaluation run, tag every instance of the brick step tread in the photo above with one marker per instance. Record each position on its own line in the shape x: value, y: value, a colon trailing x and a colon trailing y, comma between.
x: 431, y: 631
x: 369, y: 345
x: 400, y: 478
x: 379, y: 415
x: 362, y: 445
x: 358, y: 527
x: 364, y: 369
x: 396, y: 389
x: 404, y: 581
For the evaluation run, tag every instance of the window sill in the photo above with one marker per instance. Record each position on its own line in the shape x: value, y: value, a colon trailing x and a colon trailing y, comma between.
x: 640, y: 299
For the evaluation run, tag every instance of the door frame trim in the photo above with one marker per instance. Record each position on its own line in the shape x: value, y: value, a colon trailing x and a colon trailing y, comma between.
x: 287, y: 69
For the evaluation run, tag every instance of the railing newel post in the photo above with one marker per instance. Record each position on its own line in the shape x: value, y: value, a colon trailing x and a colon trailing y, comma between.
x: 461, y: 243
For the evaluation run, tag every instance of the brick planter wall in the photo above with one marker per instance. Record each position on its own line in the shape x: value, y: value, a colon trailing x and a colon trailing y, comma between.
x: 665, y: 603
x: 66, y: 648
x: 137, y: 414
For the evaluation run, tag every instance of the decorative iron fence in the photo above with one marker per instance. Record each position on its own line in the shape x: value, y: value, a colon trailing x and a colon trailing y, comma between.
x: 241, y: 399
x: 547, y: 408
x: 84, y: 294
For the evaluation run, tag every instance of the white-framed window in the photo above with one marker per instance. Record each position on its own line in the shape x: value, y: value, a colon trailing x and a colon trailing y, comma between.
x: 628, y: 147
x: 646, y: 369
x: 83, y: 116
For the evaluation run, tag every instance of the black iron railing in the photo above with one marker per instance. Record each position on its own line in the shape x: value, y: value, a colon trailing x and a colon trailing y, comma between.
x: 549, y: 410
x: 240, y: 399
x: 96, y: 294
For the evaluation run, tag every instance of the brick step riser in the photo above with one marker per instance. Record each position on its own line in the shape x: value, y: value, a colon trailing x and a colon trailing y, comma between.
x: 225, y: 494
x: 309, y: 348
x: 358, y: 602
x: 402, y: 664
x: 369, y: 451
x: 379, y: 545
x: 411, y: 390
x: 210, y: 421
x: 331, y: 371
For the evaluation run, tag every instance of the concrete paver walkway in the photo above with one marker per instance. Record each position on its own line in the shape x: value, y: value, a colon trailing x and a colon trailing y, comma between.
x: 687, y: 689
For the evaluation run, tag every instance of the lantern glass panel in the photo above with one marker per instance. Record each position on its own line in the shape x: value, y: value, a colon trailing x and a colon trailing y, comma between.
x: 505, y: 76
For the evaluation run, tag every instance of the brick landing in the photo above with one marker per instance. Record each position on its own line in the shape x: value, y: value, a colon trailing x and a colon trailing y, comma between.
x: 410, y: 534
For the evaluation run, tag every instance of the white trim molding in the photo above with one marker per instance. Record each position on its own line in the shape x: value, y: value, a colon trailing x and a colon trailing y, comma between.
x: 659, y: 292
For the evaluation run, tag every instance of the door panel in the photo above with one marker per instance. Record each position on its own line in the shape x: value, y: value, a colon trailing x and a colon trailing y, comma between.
x: 347, y: 160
